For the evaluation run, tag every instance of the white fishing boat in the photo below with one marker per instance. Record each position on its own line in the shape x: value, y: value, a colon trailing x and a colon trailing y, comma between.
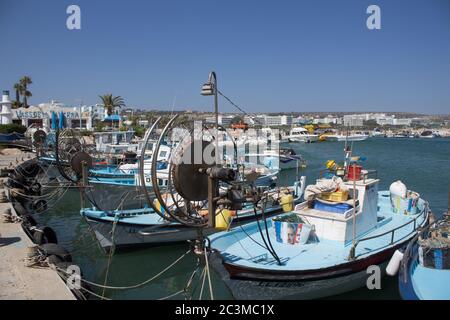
x: 321, y: 248
x: 114, y: 142
x: 300, y: 134
x: 285, y: 159
x: 343, y: 137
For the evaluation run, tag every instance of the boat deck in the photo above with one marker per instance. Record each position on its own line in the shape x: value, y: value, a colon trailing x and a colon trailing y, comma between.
x: 238, y: 248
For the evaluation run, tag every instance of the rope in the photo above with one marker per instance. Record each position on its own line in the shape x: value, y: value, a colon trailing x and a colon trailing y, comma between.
x: 136, y: 285
x: 235, y: 105
x: 203, y: 283
x: 209, y: 275
x: 111, y: 253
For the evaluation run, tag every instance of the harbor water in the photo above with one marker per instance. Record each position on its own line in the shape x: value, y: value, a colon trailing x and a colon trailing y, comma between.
x: 422, y: 164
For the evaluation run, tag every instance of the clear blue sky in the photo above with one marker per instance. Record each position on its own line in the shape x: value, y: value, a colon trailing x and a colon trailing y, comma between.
x: 269, y: 55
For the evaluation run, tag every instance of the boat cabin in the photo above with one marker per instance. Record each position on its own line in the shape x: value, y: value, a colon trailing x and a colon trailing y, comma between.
x: 116, y: 142
x: 335, y: 221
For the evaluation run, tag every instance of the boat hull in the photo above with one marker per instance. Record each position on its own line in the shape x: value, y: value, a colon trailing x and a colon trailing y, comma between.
x: 135, y: 236
x: 303, y: 139
x: 310, y: 284
x: 128, y: 236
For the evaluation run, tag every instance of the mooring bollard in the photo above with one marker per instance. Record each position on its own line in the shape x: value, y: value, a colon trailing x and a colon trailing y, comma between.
x: 3, y: 198
x: 7, y: 215
x: 33, y: 256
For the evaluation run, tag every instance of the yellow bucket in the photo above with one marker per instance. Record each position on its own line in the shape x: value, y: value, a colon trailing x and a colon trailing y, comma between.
x: 223, y: 217
x: 287, y: 202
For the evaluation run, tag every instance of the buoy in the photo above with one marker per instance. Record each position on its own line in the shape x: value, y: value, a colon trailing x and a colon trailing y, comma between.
x: 394, y: 263
x: 398, y: 188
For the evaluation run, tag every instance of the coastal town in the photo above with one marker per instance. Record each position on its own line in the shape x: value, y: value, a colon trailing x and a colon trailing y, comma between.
x: 97, y: 117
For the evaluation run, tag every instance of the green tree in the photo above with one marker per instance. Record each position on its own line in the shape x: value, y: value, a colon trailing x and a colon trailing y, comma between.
x: 25, y: 81
x: 111, y: 102
x: 18, y: 89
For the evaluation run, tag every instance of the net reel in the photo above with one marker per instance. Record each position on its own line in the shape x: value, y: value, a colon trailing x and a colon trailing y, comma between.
x: 188, y: 189
x: 70, y: 155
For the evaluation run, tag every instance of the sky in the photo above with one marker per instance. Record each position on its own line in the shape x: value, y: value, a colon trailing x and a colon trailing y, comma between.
x: 269, y: 56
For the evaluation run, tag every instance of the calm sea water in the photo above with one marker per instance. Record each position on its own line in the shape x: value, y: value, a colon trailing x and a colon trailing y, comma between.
x: 422, y: 164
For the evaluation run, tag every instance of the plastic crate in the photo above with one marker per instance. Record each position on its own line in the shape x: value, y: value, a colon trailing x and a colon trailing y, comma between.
x: 338, y: 196
x: 335, y: 208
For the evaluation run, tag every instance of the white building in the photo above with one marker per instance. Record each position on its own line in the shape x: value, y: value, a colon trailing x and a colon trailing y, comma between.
x: 6, y: 115
x: 223, y: 120
x: 354, y: 120
x: 327, y: 120
x: 278, y: 120
x: 402, y: 122
x: 41, y: 116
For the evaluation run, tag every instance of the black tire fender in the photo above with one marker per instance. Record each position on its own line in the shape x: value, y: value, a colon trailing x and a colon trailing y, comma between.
x: 44, y: 234
x: 50, y: 249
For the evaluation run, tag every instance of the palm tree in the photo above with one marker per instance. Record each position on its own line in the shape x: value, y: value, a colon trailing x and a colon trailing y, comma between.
x: 26, y: 94
x: 24, y: 82
x: 111, y: 103
x: 18, y: 88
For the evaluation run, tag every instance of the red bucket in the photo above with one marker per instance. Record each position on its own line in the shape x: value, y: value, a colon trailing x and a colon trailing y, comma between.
x: 354, y: 172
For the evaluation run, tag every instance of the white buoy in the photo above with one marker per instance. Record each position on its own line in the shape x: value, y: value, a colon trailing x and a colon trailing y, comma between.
x: 394, y: 263
x: 398, y: 188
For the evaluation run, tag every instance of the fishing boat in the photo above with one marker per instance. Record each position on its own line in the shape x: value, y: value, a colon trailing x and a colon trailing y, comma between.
x: 114, y: 142
x: 350, y: 137
x: 136, y: 228
x: 285, y: 159
x: 425, y: 265
x: 328, y: 248
x: 300, y: 134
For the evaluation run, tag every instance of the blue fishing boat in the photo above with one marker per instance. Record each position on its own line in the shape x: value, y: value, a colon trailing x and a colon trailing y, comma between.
x: 135, y: 228
x: 326, y: 251
x: 425, y: 265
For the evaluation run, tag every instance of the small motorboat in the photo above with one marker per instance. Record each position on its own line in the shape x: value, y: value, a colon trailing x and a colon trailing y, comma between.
x: 328, y: 248
x: 425, y: 265
x: 427, y: 134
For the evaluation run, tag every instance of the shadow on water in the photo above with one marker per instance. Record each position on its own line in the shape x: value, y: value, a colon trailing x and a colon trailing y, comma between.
x: 423, y: 165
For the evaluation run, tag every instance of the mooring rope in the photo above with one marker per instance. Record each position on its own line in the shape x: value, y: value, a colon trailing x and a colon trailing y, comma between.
x: 136, y: 285
x: 209, y: 275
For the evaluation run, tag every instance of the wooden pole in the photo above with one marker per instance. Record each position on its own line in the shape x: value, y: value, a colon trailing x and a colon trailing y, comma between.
x: 354, y: 204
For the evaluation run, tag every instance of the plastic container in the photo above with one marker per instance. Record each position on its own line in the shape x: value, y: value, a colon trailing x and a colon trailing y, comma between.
x: 291, y: 233
x: 408, y: 205
x: 338, y: 196
x: 340, y: 208
x: 287, y: 202
x: 354, y: 172
x: 223, y: 218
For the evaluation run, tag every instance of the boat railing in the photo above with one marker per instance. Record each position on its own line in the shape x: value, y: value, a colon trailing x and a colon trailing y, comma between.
x: 425, y: 212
